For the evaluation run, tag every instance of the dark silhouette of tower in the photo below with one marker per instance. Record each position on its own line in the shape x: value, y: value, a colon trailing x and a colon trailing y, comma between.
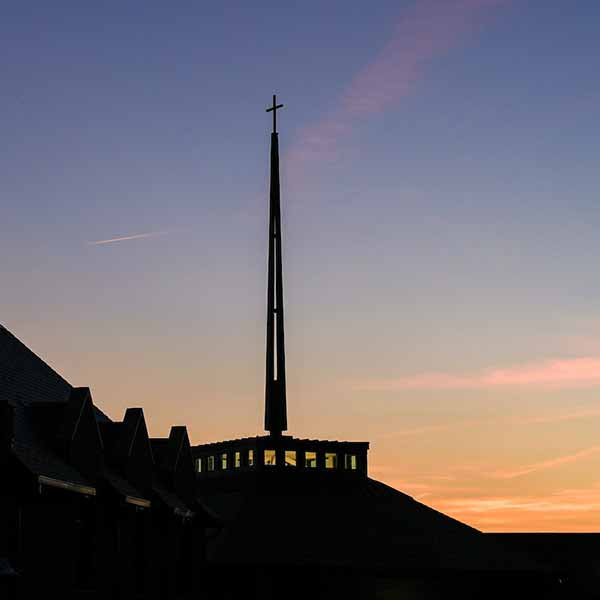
x: 275, y: 389
x: 303, y: 514
x: 276, y: 452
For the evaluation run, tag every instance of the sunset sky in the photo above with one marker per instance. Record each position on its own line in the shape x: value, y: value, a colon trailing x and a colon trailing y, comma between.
x: 441, y: 229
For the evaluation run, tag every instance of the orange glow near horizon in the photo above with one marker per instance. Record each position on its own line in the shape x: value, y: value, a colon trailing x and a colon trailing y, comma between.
x: 481, y: 455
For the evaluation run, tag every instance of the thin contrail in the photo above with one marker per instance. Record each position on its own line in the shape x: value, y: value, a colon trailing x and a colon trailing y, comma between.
x: 137, y: 236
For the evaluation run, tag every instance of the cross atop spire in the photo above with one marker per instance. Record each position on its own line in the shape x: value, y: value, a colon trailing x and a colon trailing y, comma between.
x: 275, y: 394
x: 273, y: 109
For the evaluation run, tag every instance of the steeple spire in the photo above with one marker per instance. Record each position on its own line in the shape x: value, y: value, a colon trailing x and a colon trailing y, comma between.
x: 275, y: 392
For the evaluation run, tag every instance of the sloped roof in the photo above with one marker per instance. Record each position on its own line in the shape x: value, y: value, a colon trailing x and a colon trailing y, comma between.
x: 42, y: 461
x: 171, y: 499
x: 39, y: 396
x: 315, y: 519
x: 121, y: 485
x: 47, y: 409
x: 113, y: 434
x: 174, y: 466
x: 25, y: 379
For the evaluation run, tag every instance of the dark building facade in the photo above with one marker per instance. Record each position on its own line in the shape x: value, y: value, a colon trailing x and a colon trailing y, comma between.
x: 301, y: 518
x: 90, y: 506
x: 285, y: 452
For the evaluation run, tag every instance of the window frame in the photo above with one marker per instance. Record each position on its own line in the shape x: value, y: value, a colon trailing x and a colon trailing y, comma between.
x: 308, y: 462
x: 285, y: 458
x: 272, y: 453
x: 335, y: 460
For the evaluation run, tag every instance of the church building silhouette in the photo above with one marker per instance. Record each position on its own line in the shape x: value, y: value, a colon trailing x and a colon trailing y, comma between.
x: 96, y: 508
x: 301, y: 518
x: 276, y: 451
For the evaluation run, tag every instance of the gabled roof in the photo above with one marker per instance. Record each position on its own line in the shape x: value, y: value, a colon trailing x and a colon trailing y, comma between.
x: 132, y: 426
x: 169, y: 450
x: 25, y: 377
x: 174, y: 462
x: 40, y: 400
x: 128, y: 451
x: 59, y: 433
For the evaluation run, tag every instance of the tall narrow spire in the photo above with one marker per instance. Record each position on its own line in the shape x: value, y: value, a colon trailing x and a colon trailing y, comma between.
x: 275, y: 393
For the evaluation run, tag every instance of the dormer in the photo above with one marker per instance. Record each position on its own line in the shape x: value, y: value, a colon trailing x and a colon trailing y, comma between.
x: 78, y: 436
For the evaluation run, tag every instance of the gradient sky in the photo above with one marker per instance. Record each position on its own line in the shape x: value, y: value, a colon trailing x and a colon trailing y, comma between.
x: 440, y: 218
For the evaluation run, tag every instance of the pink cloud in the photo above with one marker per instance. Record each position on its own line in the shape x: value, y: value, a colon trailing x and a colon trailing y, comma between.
x: 553, y: 512
x: 496, y: 504
x: 558, y: 373
x: 572, y: 416
x: 545, y: 419
x: 546, y: 464
x: 427, y: 31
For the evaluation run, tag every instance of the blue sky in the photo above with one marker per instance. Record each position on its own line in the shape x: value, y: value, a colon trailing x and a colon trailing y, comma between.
x: 440, y: 219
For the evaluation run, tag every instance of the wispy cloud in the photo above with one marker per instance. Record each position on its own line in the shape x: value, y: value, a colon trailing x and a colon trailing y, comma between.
x: 418, y: 431
x: 571, y: 416
x: 428, y: 30
x: 464, y: 492
x: 561, y: 510
x: 559, y: 373
x: 545, y: 504
x: 545, y: 419
x: 125, y: 238
x: 546, y: 464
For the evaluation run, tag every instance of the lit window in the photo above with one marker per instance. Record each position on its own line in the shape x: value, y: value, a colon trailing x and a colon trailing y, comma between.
x: 224, y: 461
x: 250, y: 458
x: 199, y: 465
x: 270, y: 457
x: 290, y: 458
x: 211, y: 463
x: 350, y: 462
x: 330, y: 460
x: 238, y: 460
x: 310, y: 460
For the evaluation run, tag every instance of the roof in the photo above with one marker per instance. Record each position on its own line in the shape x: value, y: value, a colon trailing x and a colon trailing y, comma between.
x: 174, y: 464
x: 44, y: 463
x: 122, y: 486
x: 25, y: 377
x: 39, y: 397
x: 47, y: 409
x: 171, y: 499
x: 273, y: 519
x: 263, y: 440
x: 115, y: 437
